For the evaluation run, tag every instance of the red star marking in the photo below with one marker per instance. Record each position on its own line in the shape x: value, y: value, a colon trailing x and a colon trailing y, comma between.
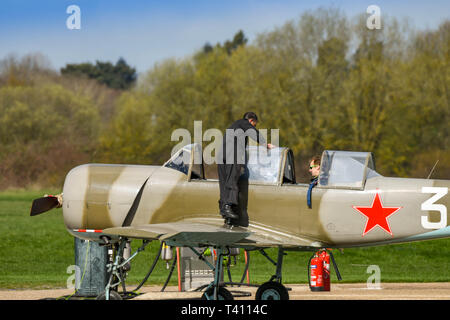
x: 377, y: 215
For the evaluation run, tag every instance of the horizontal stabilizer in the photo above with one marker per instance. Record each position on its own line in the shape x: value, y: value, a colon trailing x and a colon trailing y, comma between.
x: 44, y: 204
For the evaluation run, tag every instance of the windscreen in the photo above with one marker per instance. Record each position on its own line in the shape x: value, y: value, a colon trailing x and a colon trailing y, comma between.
x: 180, y: 161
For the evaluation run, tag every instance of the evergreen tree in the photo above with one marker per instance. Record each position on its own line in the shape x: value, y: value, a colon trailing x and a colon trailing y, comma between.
x: 118, y: 76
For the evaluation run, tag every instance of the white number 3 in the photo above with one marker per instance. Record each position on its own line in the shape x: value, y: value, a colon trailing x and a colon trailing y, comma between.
x: 430, y: 206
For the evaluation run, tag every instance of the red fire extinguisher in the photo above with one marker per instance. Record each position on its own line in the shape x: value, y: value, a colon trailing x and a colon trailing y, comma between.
x: 315, y: 270
x: 319, y: 270
x: 325, y: 257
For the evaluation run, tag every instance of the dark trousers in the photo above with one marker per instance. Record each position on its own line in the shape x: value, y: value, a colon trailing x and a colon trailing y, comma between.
x: 228, y: 183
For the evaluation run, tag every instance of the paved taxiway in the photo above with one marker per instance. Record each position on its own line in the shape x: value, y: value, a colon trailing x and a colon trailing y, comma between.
x: 339, y: 291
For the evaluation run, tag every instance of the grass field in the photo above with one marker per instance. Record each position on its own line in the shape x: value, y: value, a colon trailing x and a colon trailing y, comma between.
x: 35, y: 252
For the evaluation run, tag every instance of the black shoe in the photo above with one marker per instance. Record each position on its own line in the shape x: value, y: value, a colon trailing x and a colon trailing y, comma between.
x: 227, y: 212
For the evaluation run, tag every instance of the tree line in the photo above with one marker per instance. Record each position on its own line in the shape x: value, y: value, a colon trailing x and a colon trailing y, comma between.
x: 324, y: 80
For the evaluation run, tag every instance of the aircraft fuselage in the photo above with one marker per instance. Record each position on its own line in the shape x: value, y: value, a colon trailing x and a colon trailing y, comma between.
x: 387, y: 210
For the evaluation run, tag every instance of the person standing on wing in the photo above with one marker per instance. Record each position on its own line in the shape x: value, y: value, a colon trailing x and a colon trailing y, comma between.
x: 232, y: 161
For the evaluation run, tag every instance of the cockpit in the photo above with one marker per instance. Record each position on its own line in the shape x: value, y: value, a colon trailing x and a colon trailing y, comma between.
x: 339, y: 169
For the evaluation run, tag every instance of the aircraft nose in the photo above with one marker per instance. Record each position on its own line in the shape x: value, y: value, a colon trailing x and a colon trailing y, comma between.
x: 75, y: 188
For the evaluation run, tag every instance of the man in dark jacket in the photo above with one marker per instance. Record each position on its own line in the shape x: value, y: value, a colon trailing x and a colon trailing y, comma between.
x: 232, y: 161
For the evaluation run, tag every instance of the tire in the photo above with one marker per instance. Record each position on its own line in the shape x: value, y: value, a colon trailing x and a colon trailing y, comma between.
x: 113, y: 295
x: 272, y: 291
x: 223, y: 294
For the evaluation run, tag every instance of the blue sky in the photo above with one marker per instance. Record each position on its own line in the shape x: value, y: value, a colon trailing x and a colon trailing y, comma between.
x: 145, y: 32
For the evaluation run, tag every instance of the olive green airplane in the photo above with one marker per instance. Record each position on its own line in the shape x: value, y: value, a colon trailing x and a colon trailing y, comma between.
x: 351, y: 206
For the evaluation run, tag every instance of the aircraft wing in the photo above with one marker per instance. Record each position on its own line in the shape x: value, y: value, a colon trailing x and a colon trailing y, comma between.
x: 211, y: 232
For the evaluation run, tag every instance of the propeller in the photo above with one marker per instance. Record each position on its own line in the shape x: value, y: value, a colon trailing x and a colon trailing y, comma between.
x: 45, y: 204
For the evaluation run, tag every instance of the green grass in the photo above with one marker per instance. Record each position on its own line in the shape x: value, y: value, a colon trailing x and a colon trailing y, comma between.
x: 35, y: 252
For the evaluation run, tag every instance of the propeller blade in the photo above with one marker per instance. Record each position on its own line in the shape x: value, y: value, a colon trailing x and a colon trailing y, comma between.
x: 43, y: 204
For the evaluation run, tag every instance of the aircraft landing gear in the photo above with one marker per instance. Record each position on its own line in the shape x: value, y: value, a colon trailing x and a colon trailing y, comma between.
x: 273, y: 289
x: 118, y: 269
x: 222, y: 294
x: 214, y: 291
x: 112, y: 295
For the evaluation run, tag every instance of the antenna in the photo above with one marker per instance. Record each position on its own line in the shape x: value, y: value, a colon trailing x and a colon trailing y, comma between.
x: 432, y: 169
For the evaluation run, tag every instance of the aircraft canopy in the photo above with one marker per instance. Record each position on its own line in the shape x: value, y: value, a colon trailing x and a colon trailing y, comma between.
x: 263, y: 165
x: 338, y: 169
x: 346, y: 169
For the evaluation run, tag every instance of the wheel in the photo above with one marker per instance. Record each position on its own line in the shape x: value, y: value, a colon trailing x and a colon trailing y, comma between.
x: 272, y: 291
x: 223, y: 294
x: 113, y: 295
